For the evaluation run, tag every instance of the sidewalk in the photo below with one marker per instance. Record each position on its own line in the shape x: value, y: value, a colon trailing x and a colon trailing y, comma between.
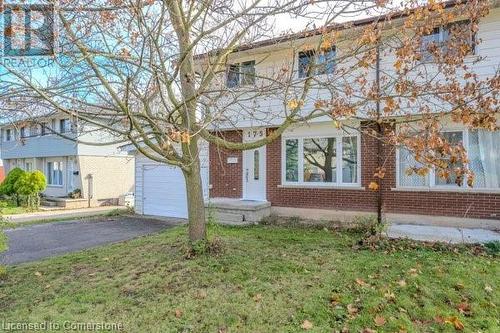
x: 61, y: 214
x: 442, y: 234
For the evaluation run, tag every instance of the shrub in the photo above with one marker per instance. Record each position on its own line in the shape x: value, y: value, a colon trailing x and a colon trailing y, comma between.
x: 8, y: 185
x: 30, y: 184
x: 76, y: 194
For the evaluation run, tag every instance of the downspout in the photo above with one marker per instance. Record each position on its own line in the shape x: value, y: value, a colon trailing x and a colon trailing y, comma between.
x: 379, y: 132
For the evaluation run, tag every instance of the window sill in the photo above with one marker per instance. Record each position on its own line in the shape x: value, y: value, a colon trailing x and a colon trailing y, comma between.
x: 355, y: 187
x: 55, y: 186
x: 446, y: 189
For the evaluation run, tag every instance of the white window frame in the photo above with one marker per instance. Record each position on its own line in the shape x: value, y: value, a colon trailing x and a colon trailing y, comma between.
x: 316, y: 63
x: 9, y: 135
x: 432, y: 172
x: 339, y: 147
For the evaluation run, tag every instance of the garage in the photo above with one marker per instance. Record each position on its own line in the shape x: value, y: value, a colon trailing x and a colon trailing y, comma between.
x: 164, y: 191
x: 160, y: 189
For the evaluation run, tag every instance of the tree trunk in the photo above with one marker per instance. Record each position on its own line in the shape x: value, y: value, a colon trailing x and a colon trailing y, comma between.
x: 196, y: 204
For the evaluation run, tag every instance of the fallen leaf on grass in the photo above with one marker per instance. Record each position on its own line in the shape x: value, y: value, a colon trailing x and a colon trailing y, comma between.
x: 361, y: 282
x: 464, y: 308
x: 178, y: 313
x: 38, y: 274
x: 257, y: 298
x: 488, y: 288
x: 402, y: 283
x: 368, y: 330
x: 390, y: 295
x: 455, y: 322
x: 352, y: 309
x: 379, y: 321
x: 306, y: 325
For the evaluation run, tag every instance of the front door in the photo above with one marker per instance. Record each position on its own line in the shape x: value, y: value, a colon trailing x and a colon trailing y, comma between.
x: 254, y: 167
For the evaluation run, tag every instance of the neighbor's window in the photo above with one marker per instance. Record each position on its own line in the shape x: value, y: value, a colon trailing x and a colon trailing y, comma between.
x: 317, y: 160
x: 323, y: 62
x: 22, y: 132
x: 55, y: 173
x: 64, y: 126
x: 8, y: 135
x: 241, y: 74
x: 483, y: 149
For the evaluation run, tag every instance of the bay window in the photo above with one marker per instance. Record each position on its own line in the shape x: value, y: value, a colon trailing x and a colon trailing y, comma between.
x: 322, y: 161
x: 483, y: 152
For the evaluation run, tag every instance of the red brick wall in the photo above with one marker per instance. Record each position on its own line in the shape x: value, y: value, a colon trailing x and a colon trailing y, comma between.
x: 226, y: 179
x: 227, y: 182
x: 341, y: 199
x: 456, y: 204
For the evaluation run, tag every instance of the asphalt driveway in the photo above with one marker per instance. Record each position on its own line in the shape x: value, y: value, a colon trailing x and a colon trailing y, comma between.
x: 35, y: 242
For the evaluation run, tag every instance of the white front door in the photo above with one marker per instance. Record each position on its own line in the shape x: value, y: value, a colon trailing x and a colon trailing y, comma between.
x: 254, y: 167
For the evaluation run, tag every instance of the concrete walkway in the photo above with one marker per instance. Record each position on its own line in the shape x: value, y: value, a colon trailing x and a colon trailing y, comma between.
x: 442, y: 234
x: 60, y: 214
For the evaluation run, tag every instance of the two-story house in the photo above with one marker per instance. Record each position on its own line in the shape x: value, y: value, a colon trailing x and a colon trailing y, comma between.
x: 61, y: 147
x: 321, y: 170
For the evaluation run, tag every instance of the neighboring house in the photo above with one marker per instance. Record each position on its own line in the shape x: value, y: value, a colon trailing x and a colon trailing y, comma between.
x: 282, y: 176
x: 102, y: 173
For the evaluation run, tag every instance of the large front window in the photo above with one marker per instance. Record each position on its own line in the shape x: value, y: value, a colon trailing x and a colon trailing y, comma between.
x: 55, y: 173
x: 331, y: 160
x: 483, y: 150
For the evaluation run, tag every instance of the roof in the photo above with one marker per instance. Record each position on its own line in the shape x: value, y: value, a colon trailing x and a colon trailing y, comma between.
x: 327, y: 29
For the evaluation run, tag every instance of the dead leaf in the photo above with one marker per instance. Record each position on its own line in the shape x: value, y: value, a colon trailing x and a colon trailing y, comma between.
x: 368, y: 330
x: 402, y: 283
x: 390, y: 295
x: 306, y: 325
x: 352, y: 309
x: 439, y: 320
x: 335, y: 299
x: 464, y: 308
x: 488, y: 288
x: 38, y: 274
x: 413, y: 272
x: 257, y: 298
x: 456, y: 323
x: 373, y: 186
x: 379, y: 321
x: 178, y: 313
x: 361, y: 282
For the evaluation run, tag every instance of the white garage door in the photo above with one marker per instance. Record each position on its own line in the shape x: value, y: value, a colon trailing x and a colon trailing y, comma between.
x: 164, y: 191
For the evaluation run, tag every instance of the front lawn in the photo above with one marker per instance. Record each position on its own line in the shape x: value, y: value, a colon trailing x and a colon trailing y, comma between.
x: 270, y: 279
x: 9, y: 208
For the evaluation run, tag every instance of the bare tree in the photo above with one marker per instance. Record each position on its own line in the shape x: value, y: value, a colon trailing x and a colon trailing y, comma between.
x: 164, y: 75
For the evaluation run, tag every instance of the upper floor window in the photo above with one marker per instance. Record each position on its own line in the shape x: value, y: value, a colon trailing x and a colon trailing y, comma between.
x: 34, y: 130
x: 64, y: 126
x: 44, y: 128
x: 22, y: 132
x: 241, y: 74
x: 484, y: 160
x: 323, y: 62
x: 8, y: 135
x: 456, y: 32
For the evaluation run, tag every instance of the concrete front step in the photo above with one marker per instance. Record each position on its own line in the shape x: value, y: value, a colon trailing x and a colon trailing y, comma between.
x: 236, y: 211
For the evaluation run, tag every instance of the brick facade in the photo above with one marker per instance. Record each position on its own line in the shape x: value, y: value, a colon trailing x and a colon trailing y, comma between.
x: 227, y: 182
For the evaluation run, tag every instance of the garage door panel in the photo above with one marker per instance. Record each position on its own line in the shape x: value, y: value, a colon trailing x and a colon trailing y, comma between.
x: 164, y: 191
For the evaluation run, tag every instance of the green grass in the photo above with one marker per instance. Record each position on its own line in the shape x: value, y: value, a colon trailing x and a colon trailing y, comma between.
x: 270, y: 279
x: 9, y: 208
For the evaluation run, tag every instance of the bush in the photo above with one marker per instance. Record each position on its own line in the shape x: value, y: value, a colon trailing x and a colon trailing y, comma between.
x: 8, y: 185
x: 30, y: 184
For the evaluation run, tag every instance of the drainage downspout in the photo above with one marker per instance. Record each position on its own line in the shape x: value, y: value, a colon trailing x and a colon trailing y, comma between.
x: 379, y: 132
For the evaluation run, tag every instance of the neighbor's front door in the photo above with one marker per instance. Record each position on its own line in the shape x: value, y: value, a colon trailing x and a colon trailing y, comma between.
x: 254, y: 167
